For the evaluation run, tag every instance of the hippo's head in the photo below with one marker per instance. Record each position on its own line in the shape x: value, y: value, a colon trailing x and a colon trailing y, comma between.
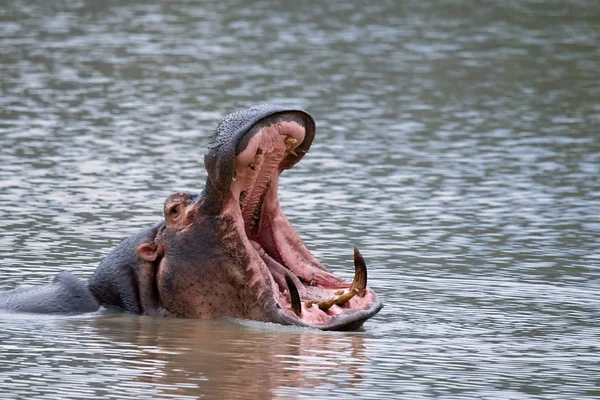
x: 231, y: 250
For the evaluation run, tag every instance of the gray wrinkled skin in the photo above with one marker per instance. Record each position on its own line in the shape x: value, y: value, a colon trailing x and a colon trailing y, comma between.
x: 116, y: 280
x: 67, y: 294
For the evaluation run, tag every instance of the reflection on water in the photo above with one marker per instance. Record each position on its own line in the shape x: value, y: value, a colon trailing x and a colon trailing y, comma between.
x: 135, y: 356
x: 456, y: 146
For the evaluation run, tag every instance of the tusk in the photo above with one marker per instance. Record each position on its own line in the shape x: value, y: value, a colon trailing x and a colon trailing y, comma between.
x: 326, y: 304
x: 360, y: 274
x: 294, y: 295
x: 343, y: 299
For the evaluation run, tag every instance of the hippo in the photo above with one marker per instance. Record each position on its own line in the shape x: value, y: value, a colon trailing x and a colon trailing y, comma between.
x: 227, y: 251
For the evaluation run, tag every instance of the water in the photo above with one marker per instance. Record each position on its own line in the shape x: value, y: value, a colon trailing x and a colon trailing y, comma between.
x: 457, y: 147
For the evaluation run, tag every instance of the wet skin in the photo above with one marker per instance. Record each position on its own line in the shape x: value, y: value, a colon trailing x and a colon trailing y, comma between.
x: 230, y: 250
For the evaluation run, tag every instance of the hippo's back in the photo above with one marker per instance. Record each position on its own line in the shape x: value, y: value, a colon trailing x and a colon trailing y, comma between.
x: 67, y: 294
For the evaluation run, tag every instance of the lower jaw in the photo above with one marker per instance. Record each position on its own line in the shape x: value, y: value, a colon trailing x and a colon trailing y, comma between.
x: 349, y: 321
x: 268, y: 289
x: 318, y: 308
x: 277, y: 252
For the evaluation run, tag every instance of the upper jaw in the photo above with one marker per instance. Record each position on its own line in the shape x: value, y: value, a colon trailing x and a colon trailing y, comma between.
x: 224, y: 144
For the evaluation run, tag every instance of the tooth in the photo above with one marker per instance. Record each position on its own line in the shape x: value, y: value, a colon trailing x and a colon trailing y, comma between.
x: 301, y: 150
x: 252, y: 166
x: 326, y: 304
x: 344, y: 298
x: 294, y: 295
x: 291, y: 140
x: 234, y: 176
x: 309, y: 304
x: 339, y: 292
x: 360, y: 274
x: 292, y: 152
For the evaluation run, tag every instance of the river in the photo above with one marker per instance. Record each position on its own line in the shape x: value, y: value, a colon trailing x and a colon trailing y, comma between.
x: 457, y: 147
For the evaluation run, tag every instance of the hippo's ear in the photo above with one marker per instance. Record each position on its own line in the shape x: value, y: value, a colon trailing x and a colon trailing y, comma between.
x: 149, y: 251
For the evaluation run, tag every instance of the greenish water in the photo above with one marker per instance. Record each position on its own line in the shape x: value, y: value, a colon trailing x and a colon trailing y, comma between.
x: 457, y: 147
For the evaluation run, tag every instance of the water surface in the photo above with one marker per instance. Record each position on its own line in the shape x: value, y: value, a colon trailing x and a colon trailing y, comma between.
x: 457, y: 147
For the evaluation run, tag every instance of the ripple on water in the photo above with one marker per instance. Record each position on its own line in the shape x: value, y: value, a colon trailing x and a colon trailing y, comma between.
x: 455, y: 147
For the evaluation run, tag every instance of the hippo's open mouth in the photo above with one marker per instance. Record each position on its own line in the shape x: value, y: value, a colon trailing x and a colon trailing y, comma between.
x: 282, y: 272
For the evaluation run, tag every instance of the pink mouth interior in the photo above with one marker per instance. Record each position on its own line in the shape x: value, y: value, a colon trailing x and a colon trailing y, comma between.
x: 268, y: 236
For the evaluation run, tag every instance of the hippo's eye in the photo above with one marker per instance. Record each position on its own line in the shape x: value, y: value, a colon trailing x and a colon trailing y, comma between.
x: 175, y: 210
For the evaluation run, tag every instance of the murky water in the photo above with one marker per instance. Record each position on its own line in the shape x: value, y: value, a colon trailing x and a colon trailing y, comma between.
x: 457, y: 146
